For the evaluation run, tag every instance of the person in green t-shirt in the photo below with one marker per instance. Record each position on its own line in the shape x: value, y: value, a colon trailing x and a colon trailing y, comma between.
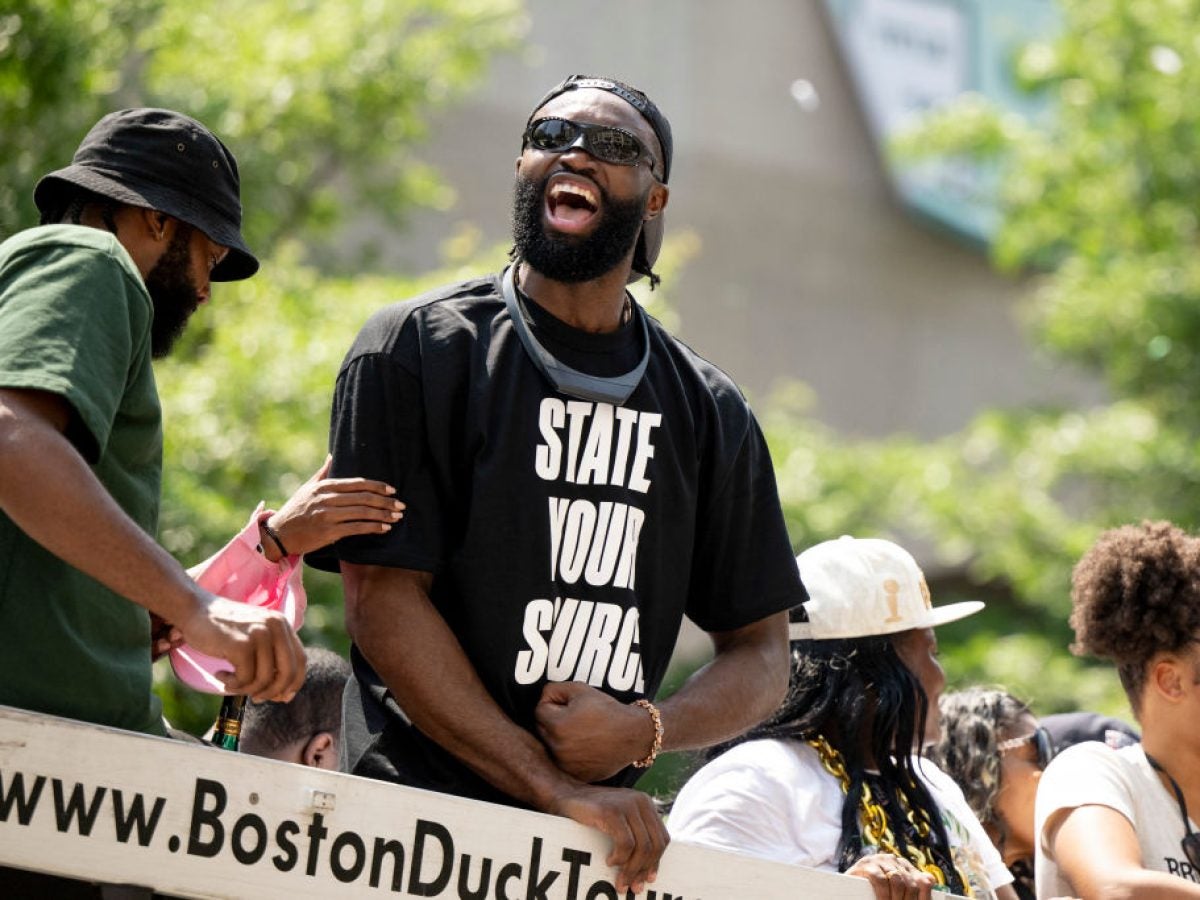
x: 133, y: 233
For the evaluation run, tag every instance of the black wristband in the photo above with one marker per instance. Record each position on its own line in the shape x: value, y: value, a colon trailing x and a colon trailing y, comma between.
x: 274, y: 536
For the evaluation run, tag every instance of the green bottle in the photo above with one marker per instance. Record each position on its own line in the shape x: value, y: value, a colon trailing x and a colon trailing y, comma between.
x: 228, y: 729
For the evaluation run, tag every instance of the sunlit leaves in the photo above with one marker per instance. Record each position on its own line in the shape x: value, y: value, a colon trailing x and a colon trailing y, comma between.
x: 325, y: 102
x: 1101, y: 197
x: 323, y: 105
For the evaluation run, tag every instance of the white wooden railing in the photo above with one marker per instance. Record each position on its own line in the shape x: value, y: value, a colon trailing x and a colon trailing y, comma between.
x: 114, y: 807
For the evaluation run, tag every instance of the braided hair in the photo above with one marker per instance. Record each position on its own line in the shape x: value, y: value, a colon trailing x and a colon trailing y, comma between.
x: 839, y: 690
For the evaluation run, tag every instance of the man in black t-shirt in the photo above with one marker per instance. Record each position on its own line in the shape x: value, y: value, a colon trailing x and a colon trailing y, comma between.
x: 577, y: 481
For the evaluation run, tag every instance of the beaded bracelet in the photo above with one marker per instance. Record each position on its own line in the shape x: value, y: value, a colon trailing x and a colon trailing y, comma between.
x: 658, y: 734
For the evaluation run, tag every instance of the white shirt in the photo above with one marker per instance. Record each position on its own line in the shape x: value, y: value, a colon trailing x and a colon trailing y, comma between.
x: 772, y: 799
x: 1093, y: 774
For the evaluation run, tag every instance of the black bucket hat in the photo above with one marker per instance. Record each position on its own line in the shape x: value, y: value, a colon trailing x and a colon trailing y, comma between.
x: 162, y: 160
x: 651, y: 236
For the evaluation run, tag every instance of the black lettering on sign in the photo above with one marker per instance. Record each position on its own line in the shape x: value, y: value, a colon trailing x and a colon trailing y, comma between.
x: 15, y: 795
x: 316, y: 833
x: 575, y: 860
x: 75, y: 809
x: 480, y: 891
x: 248, y: 856
x: 286, y: 861
x: 342, y: 872
x: 135, y: 818
x: 395, y: 850
x: 203, y: 816
x: 416, y: 886
x: 537, y: 889
x: 507, y: 874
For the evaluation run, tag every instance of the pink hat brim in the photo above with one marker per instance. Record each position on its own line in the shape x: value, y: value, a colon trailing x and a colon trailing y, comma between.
x: 238, y: 572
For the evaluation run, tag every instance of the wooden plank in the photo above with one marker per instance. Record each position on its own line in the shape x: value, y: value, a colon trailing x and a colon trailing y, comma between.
x: 110, y: 806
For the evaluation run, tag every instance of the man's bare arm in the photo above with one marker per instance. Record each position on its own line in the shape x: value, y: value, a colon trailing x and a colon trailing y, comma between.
x: 743, y: 684
x: 51, y: 494
x: 394, y: 624
x: 593, y: 736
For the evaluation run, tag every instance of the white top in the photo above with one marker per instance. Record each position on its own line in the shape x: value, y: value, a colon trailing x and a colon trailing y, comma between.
x: 772, y: 799
x: 1093, y: 774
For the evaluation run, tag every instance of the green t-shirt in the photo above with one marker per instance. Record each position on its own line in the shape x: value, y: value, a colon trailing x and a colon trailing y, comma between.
x: 75, y: 321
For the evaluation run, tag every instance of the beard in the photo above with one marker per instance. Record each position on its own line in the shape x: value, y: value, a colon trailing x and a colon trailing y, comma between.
x: 572, y: 258
x: 173, y: 293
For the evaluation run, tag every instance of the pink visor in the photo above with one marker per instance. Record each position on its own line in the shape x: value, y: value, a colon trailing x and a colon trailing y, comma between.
x: 239, y: 572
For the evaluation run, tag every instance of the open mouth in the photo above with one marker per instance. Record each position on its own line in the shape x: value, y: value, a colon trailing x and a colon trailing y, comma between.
x: 571, y: 204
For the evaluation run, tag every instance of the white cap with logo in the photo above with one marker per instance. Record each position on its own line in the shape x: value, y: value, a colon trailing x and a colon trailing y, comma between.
x: 859, y: 587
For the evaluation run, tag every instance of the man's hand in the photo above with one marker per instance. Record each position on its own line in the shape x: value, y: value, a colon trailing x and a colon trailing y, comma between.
x: 267, y: 658
x: 590, y: 735
x: 164, y: 637
x: 406, y: 640
x: 628, y: 817
x: 324, y: 510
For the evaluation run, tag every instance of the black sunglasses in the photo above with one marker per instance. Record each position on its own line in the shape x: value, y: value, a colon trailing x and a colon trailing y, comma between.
x: 1041, y: 743
x: 1191, y: 840
x: 605, y: 142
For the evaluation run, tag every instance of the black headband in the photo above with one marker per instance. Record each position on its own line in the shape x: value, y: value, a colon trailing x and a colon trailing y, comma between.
x: 631, y: 95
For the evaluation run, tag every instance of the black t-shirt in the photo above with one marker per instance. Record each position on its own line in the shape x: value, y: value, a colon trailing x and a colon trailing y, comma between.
x: 567, y: 538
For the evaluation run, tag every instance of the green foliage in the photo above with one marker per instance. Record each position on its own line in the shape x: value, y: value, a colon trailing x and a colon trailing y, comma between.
x: 324, y: 102
x: 1100, y: 198
x: 321, y: 103
x: 59, y: 68
x: 1000, y: 503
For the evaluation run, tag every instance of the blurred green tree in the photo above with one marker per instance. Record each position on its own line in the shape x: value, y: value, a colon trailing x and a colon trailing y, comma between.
x: 324, y: 106
x: 60, y: 67
x: 326, y: 101
x: 1100, y: 204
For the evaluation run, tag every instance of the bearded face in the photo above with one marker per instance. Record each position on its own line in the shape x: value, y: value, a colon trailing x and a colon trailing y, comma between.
x: 573, y: 257
x: 173, y: 292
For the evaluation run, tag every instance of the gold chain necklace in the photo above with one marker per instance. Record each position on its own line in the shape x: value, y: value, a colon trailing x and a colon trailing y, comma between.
x: 873, y: 818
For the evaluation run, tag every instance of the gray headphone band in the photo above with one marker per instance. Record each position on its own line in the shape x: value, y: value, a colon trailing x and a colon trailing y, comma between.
x: 615, y: 390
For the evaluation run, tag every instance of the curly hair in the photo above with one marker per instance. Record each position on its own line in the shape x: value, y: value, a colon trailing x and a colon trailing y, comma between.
x: 1136, y: 593
x: 974, y: 721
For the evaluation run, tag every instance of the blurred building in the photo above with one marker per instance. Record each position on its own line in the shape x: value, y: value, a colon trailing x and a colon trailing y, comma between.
x: 810, y: 268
